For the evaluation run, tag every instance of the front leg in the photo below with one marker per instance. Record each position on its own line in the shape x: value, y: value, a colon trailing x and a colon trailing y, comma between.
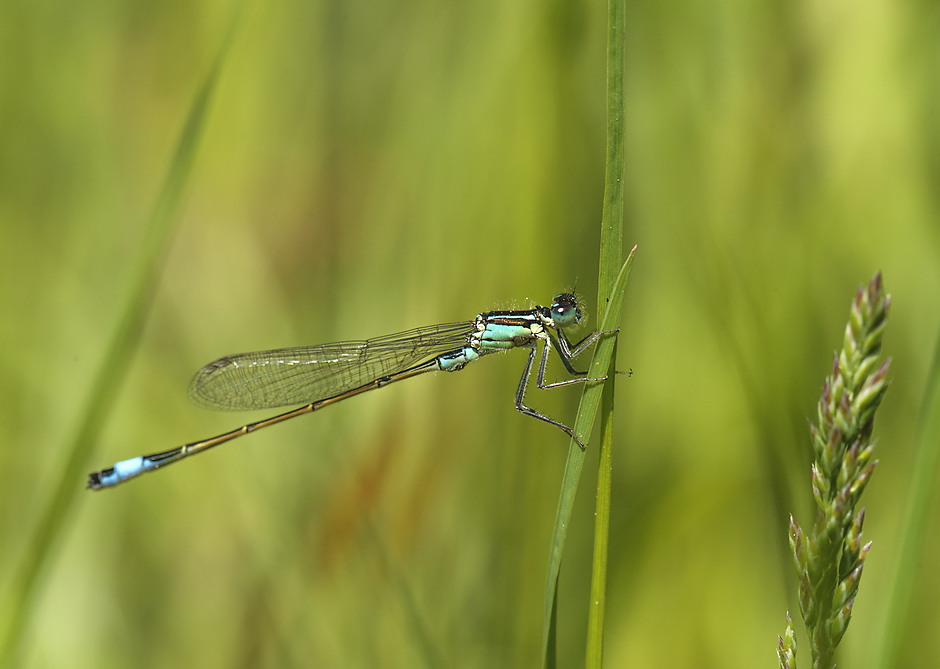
x: 543, y: 364
x: 564, y: 358
x: 566, y: 346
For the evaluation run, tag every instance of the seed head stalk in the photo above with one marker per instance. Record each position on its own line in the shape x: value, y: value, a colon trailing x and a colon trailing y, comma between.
x: 830, y: 556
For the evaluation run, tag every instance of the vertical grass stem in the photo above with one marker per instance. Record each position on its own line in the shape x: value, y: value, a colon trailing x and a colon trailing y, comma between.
x: 612, y: 278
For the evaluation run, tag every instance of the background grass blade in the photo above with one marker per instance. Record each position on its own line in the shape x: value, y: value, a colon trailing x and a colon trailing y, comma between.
x: 424, y: 640
x: 142, y: 285
x: 921, y: 500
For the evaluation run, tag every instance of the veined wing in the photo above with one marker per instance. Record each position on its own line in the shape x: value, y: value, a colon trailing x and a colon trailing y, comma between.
x: 304, y: 374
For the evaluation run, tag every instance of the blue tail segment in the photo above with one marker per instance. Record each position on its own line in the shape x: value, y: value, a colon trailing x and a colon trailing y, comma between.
x: 120, y: 472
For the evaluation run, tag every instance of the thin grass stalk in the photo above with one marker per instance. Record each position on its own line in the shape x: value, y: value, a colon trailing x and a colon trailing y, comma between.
x: 610, y: 253
x: 612, y: 277
x: 551, y: 657
x: 42, y: 545
x: 594, y: 656
x: 587, y: 411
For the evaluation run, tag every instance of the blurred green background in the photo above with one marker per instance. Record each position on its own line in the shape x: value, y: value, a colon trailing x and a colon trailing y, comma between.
x: 370, y: 166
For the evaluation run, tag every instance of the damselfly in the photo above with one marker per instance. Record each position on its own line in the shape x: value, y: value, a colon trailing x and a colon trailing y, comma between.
x: 317, y: 376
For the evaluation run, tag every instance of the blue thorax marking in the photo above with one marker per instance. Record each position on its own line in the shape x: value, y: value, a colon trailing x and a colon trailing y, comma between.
x: 496, y: 331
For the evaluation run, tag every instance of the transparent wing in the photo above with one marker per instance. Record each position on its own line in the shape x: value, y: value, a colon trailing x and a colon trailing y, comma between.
x: 288, y: 376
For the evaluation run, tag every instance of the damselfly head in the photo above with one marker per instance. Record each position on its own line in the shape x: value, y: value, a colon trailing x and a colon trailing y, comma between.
x: 566, y: 310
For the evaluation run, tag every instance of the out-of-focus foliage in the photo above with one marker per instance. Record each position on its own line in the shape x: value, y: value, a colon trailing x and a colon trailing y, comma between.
x: 370, y: 166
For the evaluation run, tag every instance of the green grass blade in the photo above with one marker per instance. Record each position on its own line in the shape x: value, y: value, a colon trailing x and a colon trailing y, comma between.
x: 41, y: 546
x: 610, y: 254
x: 595, y: 637
x: 590, y: 400
x: 551, y: 657
x: 612, y: 215
x: 610, y: 287
x: 921, y: 501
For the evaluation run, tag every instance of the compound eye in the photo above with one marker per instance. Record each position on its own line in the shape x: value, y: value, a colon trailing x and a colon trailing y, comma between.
x: 565, y: 311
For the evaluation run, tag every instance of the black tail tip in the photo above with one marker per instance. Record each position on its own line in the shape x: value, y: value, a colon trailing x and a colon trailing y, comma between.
x: 94, y: 481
